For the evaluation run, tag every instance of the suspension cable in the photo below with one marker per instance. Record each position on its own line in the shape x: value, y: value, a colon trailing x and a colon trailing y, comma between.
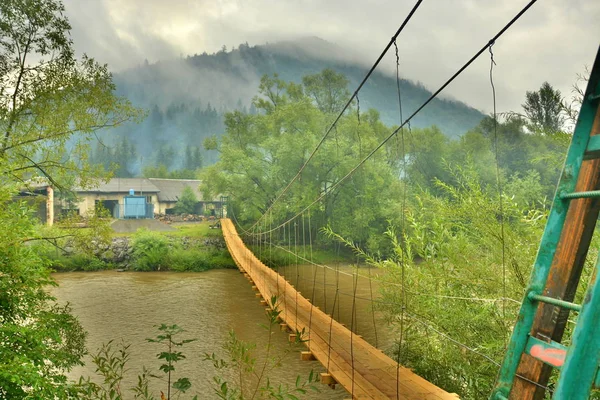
x: 335, y: 298
x: 433, y: 96
x: 314, y: 283
x: 348, y: 103
x: 499, y: 187
x: 297, y: 271
x: 433, y: 295
x: 352, y: 327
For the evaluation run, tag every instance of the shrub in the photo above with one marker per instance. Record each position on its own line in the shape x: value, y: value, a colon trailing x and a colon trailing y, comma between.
x: 198, y: 260
x: 77, y: 262
x: 188, y: 260
x: 186, y: 204
x: 150, y: 251
x: 221, y: 259
x: 83, y: 262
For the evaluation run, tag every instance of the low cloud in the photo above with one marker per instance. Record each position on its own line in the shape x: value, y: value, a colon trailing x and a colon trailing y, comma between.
x: 552, y: 42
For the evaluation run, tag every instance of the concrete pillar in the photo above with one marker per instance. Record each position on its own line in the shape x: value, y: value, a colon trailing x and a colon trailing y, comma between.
x: 49, y: 206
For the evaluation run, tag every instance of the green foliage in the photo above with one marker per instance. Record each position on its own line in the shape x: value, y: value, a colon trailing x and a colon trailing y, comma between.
x: 40, y: 340
x: 446, y: 277
x: 54, y: 106
x: 78, y: 262
x: 168, y: 336
x: 198, y: 260
x: 279, y: 255
x: 186, y: 204
x: 189, y: 260
x: 153, y: 251
x: 193, y: 158
x: 97, y: 232
x: 111, y: 365
x: 118, y: 159
x: 50, y: 107
x: 150, y: 251
x: 182, y: 113
x: 544, y: 109
x: 196, y: 230
x: 161, y: 171
x: 261, y: 152
x: 251, y: 372
x: 221, y: 259
x: 328, y: 89
x: 520, y: 154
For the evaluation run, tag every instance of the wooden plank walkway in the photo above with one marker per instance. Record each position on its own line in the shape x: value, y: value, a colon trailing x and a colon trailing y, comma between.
x: 363, y: 370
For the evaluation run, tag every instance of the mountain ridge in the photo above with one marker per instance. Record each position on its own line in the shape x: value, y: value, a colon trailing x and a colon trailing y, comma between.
x: 187, y: 97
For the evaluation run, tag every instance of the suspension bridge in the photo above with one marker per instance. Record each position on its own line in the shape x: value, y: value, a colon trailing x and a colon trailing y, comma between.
x: 363, y: 370
x: 534, y: 350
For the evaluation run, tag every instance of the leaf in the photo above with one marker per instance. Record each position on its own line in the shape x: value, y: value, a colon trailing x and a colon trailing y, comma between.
x: 166, y: 368
x: 182, y: 384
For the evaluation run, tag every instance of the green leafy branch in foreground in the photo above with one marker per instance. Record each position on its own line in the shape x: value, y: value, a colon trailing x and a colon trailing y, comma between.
x: 167, y: 335
x: 111, y: 362
x: 251, y: 373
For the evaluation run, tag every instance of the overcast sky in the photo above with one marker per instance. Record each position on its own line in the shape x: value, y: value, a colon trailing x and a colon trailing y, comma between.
x: 552, y: 42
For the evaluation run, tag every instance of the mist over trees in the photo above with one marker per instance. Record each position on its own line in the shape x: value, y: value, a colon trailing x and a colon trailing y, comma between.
x: 187, y: 98
x: 261, y: 152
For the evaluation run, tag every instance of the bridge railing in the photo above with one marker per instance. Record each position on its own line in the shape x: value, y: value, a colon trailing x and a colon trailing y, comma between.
x: 363, y: 370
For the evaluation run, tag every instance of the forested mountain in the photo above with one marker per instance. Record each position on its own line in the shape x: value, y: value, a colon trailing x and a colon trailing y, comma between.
x: 186, y: 99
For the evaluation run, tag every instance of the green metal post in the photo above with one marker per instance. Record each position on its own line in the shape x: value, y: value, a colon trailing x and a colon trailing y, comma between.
x: 578, y: 373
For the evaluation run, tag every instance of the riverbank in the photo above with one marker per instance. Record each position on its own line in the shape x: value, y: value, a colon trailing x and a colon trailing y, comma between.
x: 188, y: 247
x: 192, y: 247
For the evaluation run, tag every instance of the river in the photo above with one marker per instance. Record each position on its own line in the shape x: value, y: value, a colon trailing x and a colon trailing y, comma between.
x: 208, y: 305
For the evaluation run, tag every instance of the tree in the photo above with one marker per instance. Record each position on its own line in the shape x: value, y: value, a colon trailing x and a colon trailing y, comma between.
x: 193, y: 158
x: 49, y: 109
x: 260, y: 153
x: 329, y: 90
x: 544, y: 108
x: 50, y: 106
x: 165, y: 155
x: 186, y: 204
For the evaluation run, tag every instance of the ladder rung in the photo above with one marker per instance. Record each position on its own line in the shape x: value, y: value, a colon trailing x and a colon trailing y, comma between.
x: 580, y: 195
x: 555, y: 302
x: 551, y: 353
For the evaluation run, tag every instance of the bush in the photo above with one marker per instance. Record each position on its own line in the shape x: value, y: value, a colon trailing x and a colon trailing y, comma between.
x: 186, y: 204
x: 61, y: 262
x: 83, y: 262
x: 188, y: 260
x: 77, y: 262
x: 221, y: 259
x: 196, y: 260
x: 150, y: 251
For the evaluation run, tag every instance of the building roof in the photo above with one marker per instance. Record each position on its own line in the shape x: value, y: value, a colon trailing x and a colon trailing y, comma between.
x: 169, y: 190
x: 123, y: 185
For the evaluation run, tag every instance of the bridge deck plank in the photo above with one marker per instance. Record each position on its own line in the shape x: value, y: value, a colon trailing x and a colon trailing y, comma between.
x: 363, y: 370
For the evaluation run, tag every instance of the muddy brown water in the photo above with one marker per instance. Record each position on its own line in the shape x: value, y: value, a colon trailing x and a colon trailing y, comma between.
x: 128, y: 305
